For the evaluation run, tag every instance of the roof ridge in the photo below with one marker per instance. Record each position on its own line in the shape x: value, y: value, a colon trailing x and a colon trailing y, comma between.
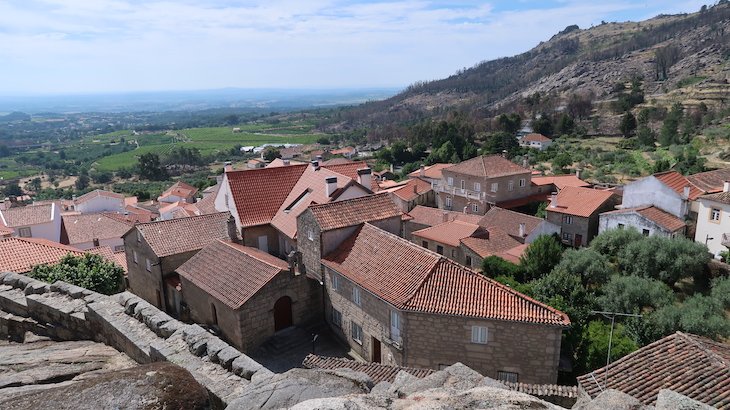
x: 243, y: 249
x: 691, y: 338
x: 428, y: 275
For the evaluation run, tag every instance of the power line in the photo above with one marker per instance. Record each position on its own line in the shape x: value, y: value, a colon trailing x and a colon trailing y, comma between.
x: 612, y: 316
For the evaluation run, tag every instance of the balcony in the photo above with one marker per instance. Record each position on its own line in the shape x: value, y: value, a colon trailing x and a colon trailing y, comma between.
x: 466, y: 193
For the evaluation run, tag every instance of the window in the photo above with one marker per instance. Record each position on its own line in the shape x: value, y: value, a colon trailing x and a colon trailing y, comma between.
x: 448, y: 202
x: 395, y: 326
x: 119, y: 248
x: 96, y: 242
x: 567, y: 219
x: 24, y: 232
x: 439, y: 249
x: 356, y: 333
x: 424, y: 244
x: 511, y: 186
x: 453, y: 253
x: 478, y: 187
x: 495, y: 186
x: 645, y: 232
x: 337, y: 318
x: 567, y: 236
x: 335, y: 281
x: 475, y: 208
x: 620, y: 226
x: 479, y: 334
x: 356, y: 295
x: 310, y: 234
x: 451, y: 181
x: 715, y: 215
x: 468, y: 261
x: 523, y: 182
x: 507, y: 376
x: 148, y: 264
x: 463, y: 184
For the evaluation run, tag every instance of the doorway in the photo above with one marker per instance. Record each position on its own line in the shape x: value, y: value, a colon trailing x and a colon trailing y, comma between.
x: 376, y: 351
x: 578, y: 240
x: 264, y: 243
x: 282, y: 313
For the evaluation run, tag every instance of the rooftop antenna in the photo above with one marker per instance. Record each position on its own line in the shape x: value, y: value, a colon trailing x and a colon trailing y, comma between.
x: 612, y: 316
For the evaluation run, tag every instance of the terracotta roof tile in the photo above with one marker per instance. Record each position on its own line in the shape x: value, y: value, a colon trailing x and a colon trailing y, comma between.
x: 351, y: 212
x: 581, y: 202
x: 121, y: 259
x: 656, y: 215
x: 412, y: 189
x: 509, y: 221
x: 259, y: 193
x: 690, y: 365
x: 27, y: 215
x: 495, y: 243
x: 710, y: 181
x: 335, y: 161
x: 20, y: 255
x: 108, y: 254
x: 97, y: 193
x: 87, y: 227
x: 240, y: 271
x: 413, y: 278
x: 560, y: 181
x: 431, y: 171
x: 424, y: 215
x: 207, y: 205
x: 180, y: 189
x: 677, y: 182
x: 489, y: 166
x: 378, y: 372
x: 449, y: 233
x: 721, y: 197
x: 5, y: 231
x: 184, y: 234
x: 536, y: 137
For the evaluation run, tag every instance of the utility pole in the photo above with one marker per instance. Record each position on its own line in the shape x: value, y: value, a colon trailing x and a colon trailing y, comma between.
x: 612, y: 316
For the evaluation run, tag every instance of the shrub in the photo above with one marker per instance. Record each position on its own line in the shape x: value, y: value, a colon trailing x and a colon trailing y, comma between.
x: 90, y: 271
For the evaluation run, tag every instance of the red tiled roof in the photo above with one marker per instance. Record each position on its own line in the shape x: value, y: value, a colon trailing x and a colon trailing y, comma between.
x: 560, y: 181
x: 516, y: 203
x: 536, y: 138
x: 721, y: 197
x: 514, y: 254
x: 378, y: 372
x: 4, y: 230
x: 509, y: 221
x: 108, y: 254
x: 677, y: 182
x: 180, y: 189
x: 343, y: 151
x: 259, y: 193
x: 97, y: 193
x: 582, y: 202
x: 656, y: 215
x: 489, y: 166
x: 351, y: 212
x: 20, y: 255
x: 207, y: 205
x: 710, y: 181
x: 334, y: 161
x: 27, y: 215
x: 690, y: 365
x: 449, y: 233
x: 412, y: 189
x: 413, y: 278
x: 350, y: 170
x: 184, y: 234
x: 87, y: 227
x: 428, y: 216
x: 121, y: 259
x: 431, y: 171
x: 495, y: 243
x: 240, y: 271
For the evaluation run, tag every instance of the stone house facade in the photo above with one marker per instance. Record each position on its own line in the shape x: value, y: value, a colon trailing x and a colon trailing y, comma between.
x: 576, y: 211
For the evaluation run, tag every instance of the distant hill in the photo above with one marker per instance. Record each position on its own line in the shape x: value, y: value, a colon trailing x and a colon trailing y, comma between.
x: 14, y: 116
x: 694, y: 51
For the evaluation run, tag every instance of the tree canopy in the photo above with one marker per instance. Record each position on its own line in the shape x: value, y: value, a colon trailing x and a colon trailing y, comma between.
x: 89, y: 271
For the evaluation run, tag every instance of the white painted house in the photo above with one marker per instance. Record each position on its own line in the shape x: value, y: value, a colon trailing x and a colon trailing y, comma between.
x: 88, y: 231
x: 99, y: 201
x: 34, y: 221
x: 536, y: 141
x: 713, y: 220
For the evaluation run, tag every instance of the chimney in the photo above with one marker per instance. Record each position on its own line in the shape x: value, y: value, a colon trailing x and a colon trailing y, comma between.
x: 415, y: 189
x: 330, y: 185
x: 554, y: 200
x: 504, y: 153
x: 232, y: 230
x: 525, y: 163
x: 391, y: 168
x: 577, y: 173
x: 522, y: 230
x: 685, y: 192
x: 364, y: 176
x: 445, y: 217
x: 315, y: 165
x: 726, y: 186
x: 466, y: 208
x: 422, y: 171
x: 285, y: 161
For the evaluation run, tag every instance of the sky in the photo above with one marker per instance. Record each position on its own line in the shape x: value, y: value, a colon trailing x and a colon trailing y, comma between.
x: 111, y: 46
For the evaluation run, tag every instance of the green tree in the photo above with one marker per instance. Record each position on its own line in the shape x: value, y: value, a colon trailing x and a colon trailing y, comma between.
x: 323, y: 141
x: 628, y: 124
x: 721, y: 291
x: 596, y: 337
x: 498, y: 142
x: 35, y: 184
x: 661, y: 165
x: 665, y: 259
x: 82, y: 182
x: 494, y: 266
x: 541, y: 210
x: 699, y: 314
x: 634, y: 294
x: 509, y: 123
x: 591, y: 267
x: 669, y: 133
x: 609, y: 243
x: 151, y: 168
x: 565, y: 125
x: 89, y: 271
x: 12, y: 189
x: 561, y: 161
x: 542, y: 124
x: 4, y: 151
x: 102, y: 177
x: 540, y: 257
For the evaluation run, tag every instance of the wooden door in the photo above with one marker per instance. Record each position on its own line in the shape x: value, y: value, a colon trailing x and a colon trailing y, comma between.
x: 282, y: 313
x: 376, y: 352
x: 578, y: 240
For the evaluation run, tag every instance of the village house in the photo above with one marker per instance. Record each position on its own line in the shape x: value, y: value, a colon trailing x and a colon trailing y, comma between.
x: 421, y: 217
x: 430, y: 173
x: 347, y: 152
x: 397, y: 303
x: 535, y: 141
x: 326, y: 225
x: 179, y: 192
x: 415, y: 191
x: 155, y: 250
x: 548, y: 184
x: 649, y: 220
x: 99, y: 201
x: 479, y: 183
x: 690, y: 365
x: 576, y: 211
x: 34, y: 221
x: 88, y: 231
x: 713, y: 221
x: 249, y: 295
x: 20, y: 255
x: 523, y: 228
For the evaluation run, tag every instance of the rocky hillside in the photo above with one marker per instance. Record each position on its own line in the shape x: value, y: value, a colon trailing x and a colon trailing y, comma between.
x: 679, y: 57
